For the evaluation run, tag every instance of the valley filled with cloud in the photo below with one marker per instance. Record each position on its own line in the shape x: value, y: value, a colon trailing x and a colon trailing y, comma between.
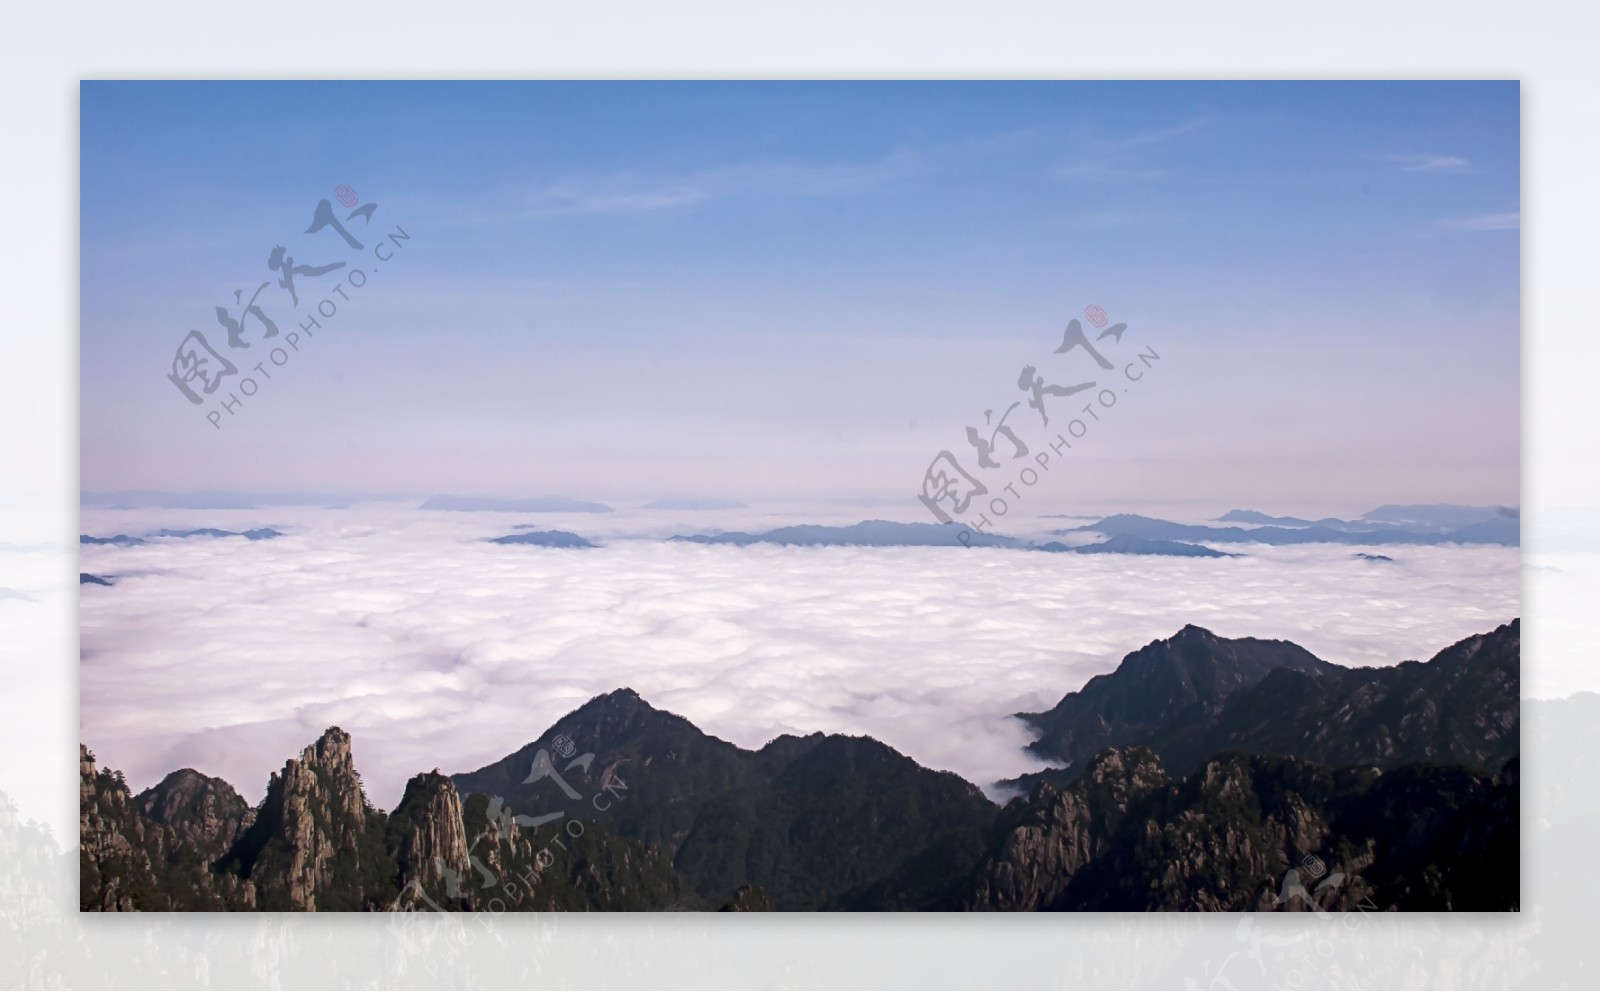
x: 434, y: 647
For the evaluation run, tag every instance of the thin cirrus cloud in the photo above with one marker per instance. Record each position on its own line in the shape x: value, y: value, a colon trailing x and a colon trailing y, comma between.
x: 1116, y: 159
x: 1509, y: 221
x: 1105, y: 219
x: 637, y: 193
x: 1415, y: 162
x: 641, y: 194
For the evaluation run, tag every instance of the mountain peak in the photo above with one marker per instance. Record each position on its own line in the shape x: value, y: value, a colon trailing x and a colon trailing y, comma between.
x: 432, y: 840
x: 331, y: 751
x: 315, y: 809
x: 621, y: 703
x: 204, y: 810
x: 1154, y: 684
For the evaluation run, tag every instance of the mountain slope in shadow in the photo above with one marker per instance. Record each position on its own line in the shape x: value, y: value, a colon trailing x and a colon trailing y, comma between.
x: 1196, y: 694
x: 1261, y: 778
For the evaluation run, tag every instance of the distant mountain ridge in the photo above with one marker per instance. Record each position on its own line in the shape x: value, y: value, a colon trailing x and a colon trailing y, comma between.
x: 867, y: 533
x: 1257, y: 517
x: 545, y: 539
x: 1127, y: 544
x: 128, y: 541
x: 1424, y: 525
x: 894, y: 534
x: 1447, y: 516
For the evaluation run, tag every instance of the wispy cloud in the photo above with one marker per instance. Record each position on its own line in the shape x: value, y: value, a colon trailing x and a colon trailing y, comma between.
x: 1157, y: 136
x: 1115, y: 159
x: 566, y: 199
x: 1415, y: 162
x: 1484, y: 222
x: 1102, y: 219
x: 643, y: 192
x: 646, y: 192
x: 639, y: 194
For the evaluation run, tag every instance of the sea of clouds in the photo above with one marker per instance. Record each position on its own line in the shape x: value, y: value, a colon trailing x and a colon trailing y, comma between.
x: 435, y: 648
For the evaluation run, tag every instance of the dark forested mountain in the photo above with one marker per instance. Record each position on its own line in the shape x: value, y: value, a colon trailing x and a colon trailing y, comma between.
x: 1206, y: 773
x: 1127, y: 836
x: 129, y: 860
x: 1157, y: 686
x: 804, y: 818
x: 1460, y: 708
x: 1197, y: 694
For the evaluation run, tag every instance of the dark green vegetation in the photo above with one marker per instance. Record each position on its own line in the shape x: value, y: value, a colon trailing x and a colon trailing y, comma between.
x: 1163, y: 683
x: 805, y: 818
x: 1205, y: 774
x: 1197, y: 694
x: 1128, y: 836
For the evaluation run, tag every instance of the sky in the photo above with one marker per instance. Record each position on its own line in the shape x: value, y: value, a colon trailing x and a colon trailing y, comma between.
x: 630, y: 291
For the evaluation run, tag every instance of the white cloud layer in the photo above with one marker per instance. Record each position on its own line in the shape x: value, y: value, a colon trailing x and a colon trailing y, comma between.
x: 435, y: 648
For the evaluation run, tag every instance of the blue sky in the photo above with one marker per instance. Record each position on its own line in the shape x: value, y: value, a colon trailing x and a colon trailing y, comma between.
x: 807, y: 290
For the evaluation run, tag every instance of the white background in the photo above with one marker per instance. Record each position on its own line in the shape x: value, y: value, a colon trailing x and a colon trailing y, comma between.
x: 47, y: 50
